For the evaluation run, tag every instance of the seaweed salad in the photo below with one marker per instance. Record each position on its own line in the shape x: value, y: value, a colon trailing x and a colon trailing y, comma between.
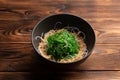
x: 62, y: 45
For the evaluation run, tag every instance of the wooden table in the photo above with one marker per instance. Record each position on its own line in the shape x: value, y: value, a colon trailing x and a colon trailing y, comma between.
x: 19, y: 61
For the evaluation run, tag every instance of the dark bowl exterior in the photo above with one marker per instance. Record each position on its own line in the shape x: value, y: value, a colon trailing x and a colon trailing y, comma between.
x: 66, y: 19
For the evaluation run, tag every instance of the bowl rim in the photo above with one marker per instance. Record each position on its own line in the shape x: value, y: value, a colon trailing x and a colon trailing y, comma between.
x: 89, y: 53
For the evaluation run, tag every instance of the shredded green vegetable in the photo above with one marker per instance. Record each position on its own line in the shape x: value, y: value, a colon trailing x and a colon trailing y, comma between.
x: 62, y: 45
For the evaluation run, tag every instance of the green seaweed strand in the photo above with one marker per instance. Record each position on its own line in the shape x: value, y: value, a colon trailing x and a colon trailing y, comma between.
x: 62, y: 45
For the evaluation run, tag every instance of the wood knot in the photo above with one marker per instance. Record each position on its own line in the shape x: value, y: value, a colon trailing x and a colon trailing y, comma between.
x: 32, y: 15
x: 62, y: 8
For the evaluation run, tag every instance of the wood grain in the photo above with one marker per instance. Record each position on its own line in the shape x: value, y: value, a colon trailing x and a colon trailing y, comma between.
x: 95, y: 10
x: 20, y: 31
x: 20, y: 17
x: 22, y: 57
x: 82, y: 75
x: 18, y: 59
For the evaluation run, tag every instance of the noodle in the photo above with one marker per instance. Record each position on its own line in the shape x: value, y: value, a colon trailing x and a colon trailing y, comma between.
x: 80, y: 40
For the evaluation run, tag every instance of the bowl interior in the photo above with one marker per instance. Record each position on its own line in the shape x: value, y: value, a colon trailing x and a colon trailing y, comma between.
x: 49, y: 23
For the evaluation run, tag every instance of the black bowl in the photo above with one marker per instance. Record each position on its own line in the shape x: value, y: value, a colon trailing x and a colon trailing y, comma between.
x: 60, y: 21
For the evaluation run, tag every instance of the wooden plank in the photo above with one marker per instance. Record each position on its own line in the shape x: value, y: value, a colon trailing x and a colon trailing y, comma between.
x: 96, y: 10
x: 82, y: 75
x: 98, y: 13
x: 78, y: 2
x: 16, y: 31
x: 22, y: 57
x: 20, y: 31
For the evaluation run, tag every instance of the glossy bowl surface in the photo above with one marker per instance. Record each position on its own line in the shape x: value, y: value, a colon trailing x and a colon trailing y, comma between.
x: 60, y: 21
